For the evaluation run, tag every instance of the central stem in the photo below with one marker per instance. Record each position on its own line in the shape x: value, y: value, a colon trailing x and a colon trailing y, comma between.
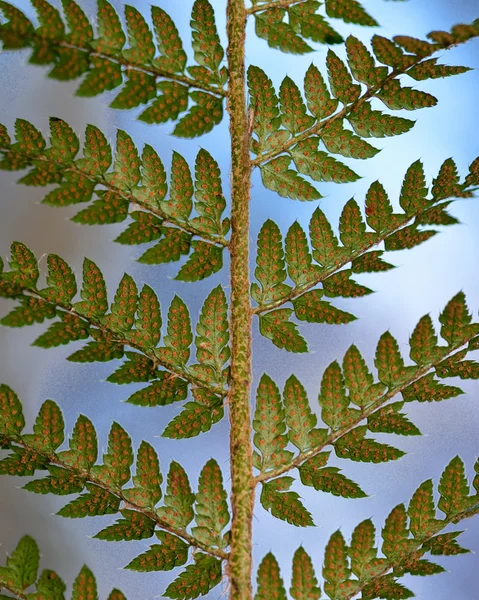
x: 242, y: 482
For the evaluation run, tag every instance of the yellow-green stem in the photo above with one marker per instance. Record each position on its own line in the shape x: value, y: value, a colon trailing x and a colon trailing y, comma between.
x: 242, y: 483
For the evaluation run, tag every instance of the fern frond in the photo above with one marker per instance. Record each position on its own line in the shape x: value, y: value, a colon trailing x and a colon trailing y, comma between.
x: 325, y: 123
x: 101, y: 487
x: 398, y: 231
x: 160, y: 79
x: 350, y: 394
x: 408, y: 536
x: 20, y: 577
x: 129, y: 183
x: 133, y: 321
x: 304, y: 22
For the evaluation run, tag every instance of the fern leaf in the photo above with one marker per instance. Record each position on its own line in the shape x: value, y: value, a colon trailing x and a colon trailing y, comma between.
x: 171, y: 553
x: 173, y: 56
x: 270, y: 437
x: 97, y: 502
x: 179, y: 338
x: 140, y: 38
x: 304, y: 585
x: 329, y: 479
x: 180, y: 203
x: 336, y: 569
x: 212, y: 336
x: 309, y: 307
x: 270, y: 269
x: 453, y: 488
x: 133, y: 526
x: 178, y: 501
x: 389, y: 420
x: 342, y: 85
x: 332, y: 398
x: 162, y: 391
x: 211, y: 508
x: 293, y: 111
x: 298, y: 257
x: 422, y: 511
x: 197, y: 579
x: 319, y: 165
x: 195, y: 418
x: 174, y: 244
x: 269, y: 25
x: 298, y: 414
x: 115, y: 471
x: 205, y: 42
x: 276, y: 176
x: 362, y: 549
x: 83, y: 445
x: 283, y: 504
x: 12, y: 420
x: 350, y: 11
x: 269, y: 580
x: 277, y: 327
x: 210, y: 202
x: 147, y: 480
x: 355, y: 446
x: 22, y: 565
x: 48, y: 430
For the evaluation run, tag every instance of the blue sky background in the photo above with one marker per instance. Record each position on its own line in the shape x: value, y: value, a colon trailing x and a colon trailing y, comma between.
x: 426, y: 278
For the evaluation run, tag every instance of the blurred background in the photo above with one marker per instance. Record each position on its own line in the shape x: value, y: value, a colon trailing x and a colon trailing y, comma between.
x: 426, y: 278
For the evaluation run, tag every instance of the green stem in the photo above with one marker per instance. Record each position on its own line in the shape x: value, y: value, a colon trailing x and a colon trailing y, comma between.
x: 242, y: 482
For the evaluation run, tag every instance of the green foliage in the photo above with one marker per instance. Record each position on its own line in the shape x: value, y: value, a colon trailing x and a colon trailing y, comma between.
x: 21, y: 573
x: 269, y: 426
x: 328, y: 479
x: 171, y: 553
x: 351, y: 568
x: 269, y: 580
x: 304, y: 585
x: 284, y: 504
x: 296, y: 136
x: 306, y: 269
x: 12, y: 420
x: 145, y: 76
x: 197, y: 579
x: 299, y: 417
x: 133, y: 526
x: 132, y: 181
x: 178, y: 509
x: 211, y: 508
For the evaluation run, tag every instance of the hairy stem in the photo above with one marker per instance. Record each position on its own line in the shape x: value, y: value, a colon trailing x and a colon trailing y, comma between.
x: 242, y: 482
x: 334, y: 436
x: 53, y: 459
x: 277, y: 4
